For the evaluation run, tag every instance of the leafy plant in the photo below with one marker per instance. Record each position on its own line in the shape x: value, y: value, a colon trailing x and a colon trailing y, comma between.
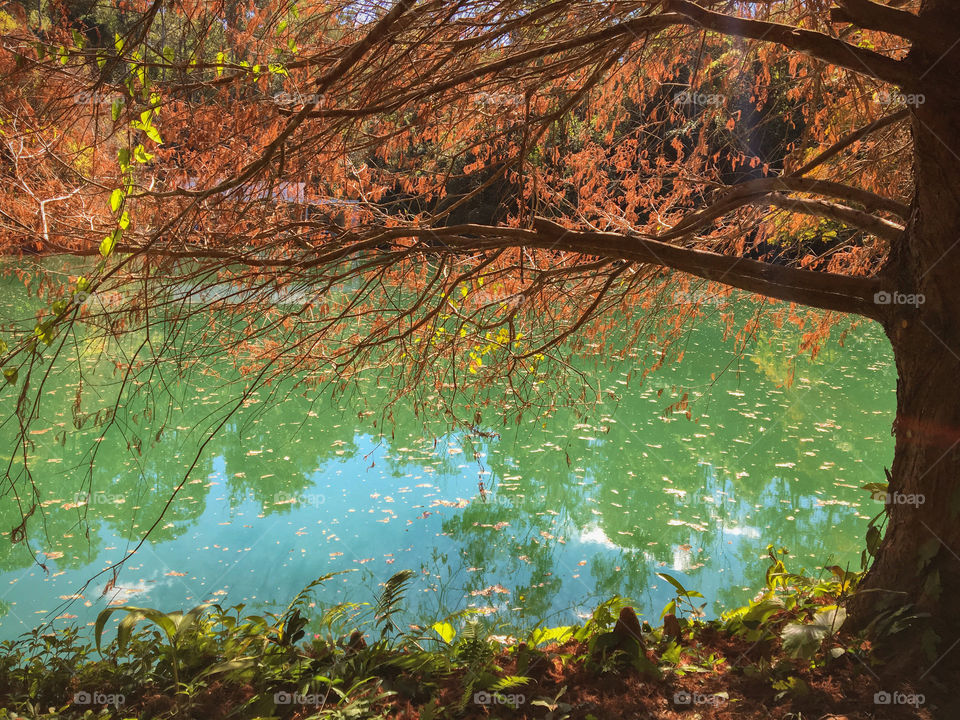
x: 683, y: 603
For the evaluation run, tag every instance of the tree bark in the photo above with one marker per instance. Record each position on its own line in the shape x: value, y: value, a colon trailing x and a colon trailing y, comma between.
x: 917, y: 566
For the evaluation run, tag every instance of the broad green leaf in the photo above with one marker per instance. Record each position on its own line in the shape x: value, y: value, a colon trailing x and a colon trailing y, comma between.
x: 108, y: 244
x: 44, y: 331
x: 141, y: 155
x: 676, y: 583
x: 243, y: 663
x: 802, y: 640
x: 445, y: 630
x: 153, y: 134
x: 116, y: 199
x: 10, y: 375
x: 125, y: 628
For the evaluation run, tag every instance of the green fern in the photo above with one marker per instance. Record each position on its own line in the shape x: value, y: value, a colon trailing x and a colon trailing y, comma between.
x: 388, y: 603
x: 509, y: 682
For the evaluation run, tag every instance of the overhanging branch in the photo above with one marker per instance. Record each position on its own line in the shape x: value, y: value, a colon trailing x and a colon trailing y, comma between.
x: 828, y: 291
x: 816, y: 44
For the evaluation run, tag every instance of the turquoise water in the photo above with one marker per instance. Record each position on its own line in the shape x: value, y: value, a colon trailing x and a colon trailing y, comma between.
x: 539, y: 523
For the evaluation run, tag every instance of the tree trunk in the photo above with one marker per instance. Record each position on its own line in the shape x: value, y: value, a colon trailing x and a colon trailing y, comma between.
x: 917, y: 567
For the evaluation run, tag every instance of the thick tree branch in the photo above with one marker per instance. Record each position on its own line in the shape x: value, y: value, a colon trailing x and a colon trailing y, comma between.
x: 766, y: 190
x: 816, y: 44
x: 827, y: 291
x: 841, y: 213
x: 874, y: 16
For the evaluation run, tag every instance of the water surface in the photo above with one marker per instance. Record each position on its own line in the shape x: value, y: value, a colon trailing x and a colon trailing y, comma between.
x: 539, y: 522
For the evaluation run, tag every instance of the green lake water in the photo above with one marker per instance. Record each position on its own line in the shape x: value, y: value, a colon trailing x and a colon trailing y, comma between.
x: 571, y: 512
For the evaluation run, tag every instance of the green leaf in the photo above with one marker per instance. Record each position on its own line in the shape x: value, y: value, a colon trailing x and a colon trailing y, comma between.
x: 125, y: 628
x: 873, y: 540
x: 44, y: 331
x: 672, y: 653
x: 759, y: 613
x: 124, y: 220
x: 10, y: 375
x: 445, y: 630
x: 124, y: 157
x: 669, y: 608
x: 509, y: 682
x: 83, y: 285
x: 676, y: 583
x: 875, y: 488
x: 141, y: 155
x: 109, y: 243
x: 154, y: 134
x: 190, y: 618
x: 802, y: 640
x: 147, y: 127
x: 237, y: 664
x: 116, y: 199
x: 116, y: 108
x: 558, y: 635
